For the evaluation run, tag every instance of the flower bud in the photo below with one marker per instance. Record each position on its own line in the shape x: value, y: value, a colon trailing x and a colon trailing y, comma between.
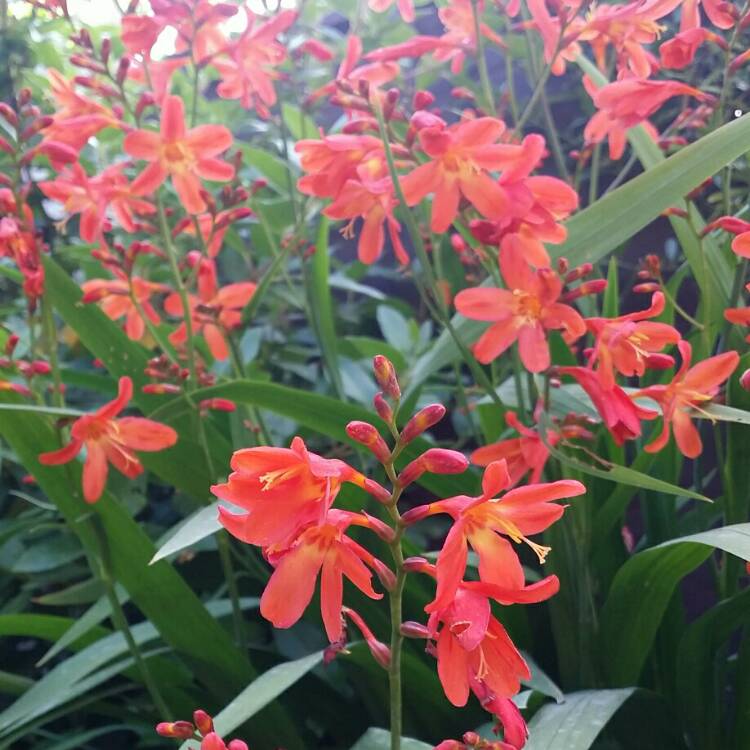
x: 415, y: 514
x: 436, y: 461
x: 161, y: 388
x: 421, y: 421
x: 58, y: 152
x: 237, y: 745
x: 385, y: 374
x: 203, y: 721
x: 423, y: 99
x: 8, y: 114
x: 11, y: 344
x: 366, y: 434
x: 411, y: 629
x: 380, y: 652
x: 385, y: 575
x: 316, y: 49
x: 217, y: 404
x: 417, y: 565
x: 646, y: 288
x: 379, y: 492
x: 657, y: 361
x: 745, y: 380
x: 588, y: 287
x: 181, y: 730
x: 383, y: 408
x: 5, y: 146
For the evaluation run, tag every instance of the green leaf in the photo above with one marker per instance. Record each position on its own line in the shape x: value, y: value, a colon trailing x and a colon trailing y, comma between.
x: 575, y: 723
x: 321, y: 305
x: 727, y: 413
x: 700, y: 668
x: 260, y: 692
x: 380, y: 739
x: 189, y: 531
x: 605, y: 225
x: 641, y: 592
x: 614, y: 472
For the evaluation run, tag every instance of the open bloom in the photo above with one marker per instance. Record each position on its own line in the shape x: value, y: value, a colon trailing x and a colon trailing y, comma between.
x: 624, y: 104
x: 111, y: 440
x: 628, y: 344
x: 619, y: 413
x: 405, y: 7
x: 114, y: 296
x: 319, y: 549
x: 184, y: 155
x: 373, y: 201
x: 215, y: 310
x: 282, y: 490
x: 523, y: 312
x: 684, y: 397
x: 485, y: 521
x: 527, y: 452
x: 461, y: 156
x: 475, y: 652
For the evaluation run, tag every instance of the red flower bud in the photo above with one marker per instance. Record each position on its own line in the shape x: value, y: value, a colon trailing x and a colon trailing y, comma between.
x: 411, y: 629
x: 8, y: 114
x: 647, y: 288
x: 203, y: 721
x: 745, y: 380
x: 316, y: 49
x: 423, y: 99
x: 237, y: 745
x: 415, y: 514
x: 160, y: 388
x: 39, y: 367
x: 181, y: 730
x: 385, y: 374
x: 217, y: 404
x: 379, y: 492
x: 385, y: 575
x: 417, y: 565
x: 11, y: 343
x: 368, y: 435
x: 421, y: 421
x: 383, y: 408
x: 657, y: 361
x: 5, y: 146
x: 436, y: 461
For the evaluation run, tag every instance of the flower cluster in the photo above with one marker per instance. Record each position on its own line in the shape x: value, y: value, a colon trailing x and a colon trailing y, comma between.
x: 201, y: 729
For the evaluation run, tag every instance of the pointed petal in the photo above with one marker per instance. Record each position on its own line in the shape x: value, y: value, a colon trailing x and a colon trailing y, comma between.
x: 94, y: 472
x: 172, y: 119
x: 485, y: 303
x: 143, y: 434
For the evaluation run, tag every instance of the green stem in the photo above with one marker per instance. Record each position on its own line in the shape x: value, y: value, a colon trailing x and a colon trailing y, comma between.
x: 121, y: 622
x: 484, y: 76
x: 416, y: 238
x: 50, y: 337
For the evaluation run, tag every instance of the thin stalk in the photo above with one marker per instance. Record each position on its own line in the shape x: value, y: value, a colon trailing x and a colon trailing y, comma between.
x: 416, y: 238
x: 484, y: 75
x: 50, y: 338
x: 596, y: 157
x: 554, y: 138
x: 121, y: 622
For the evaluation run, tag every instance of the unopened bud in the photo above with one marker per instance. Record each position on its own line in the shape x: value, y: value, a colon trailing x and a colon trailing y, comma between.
x: 11, y: 344
x: 385, y: 575
x: 366, y: 434
x: 383, y: 408
x: 181, y: 730
x: 435, y: 461
x: 421, y: 421
x: 203, y: 721
x: 385, y: 374
x: 160, y: 389
x: 578, y: 272
x: 745, y: 380
x: 237, y: 745
x: 412, y: 629
x: 316, y: 49
x: 379, y: 492
x: 415, y: 514
x: 417, y: 565
x: 380, y: 652
x: 5, y: 146
x: 217, y: 404
x: 106, y: 48
x: 8, y: 114
x: 423, y: 99
x: 646, y: 288
x: 657, y: 361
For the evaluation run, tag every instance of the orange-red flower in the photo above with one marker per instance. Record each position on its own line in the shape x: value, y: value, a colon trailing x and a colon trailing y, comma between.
x: 214, y: 311
x: 461, y: 157
x: 679, y: 51
x: 523, y: 312
x: 184, y: 155
x: 319, y: 549
x: 628, y: 344
x: 526, y: 453
x: 248, y: 69
x: 91, y: 196
x: 405, y: 7
x: 116, y: 301
x: 485, y: 521
x: 624, y: 104
x: 721, y: 14
x: 110, y: 440
x: 474, y: 651
x: 282, y: 489
x: 372, y: 201
x: 685, y: 397
x: 619, y: 413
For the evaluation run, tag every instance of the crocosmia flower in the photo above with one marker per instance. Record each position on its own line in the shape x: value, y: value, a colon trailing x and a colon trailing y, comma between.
x: 282, y: 490
x: 682, y: 399
x: 522, y: 312
x: 111, y: 440
x: 629, y: 343
x: 184, y: 155
x: 461, y: 156
x: 320, y: 549
x: 485, y: 521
